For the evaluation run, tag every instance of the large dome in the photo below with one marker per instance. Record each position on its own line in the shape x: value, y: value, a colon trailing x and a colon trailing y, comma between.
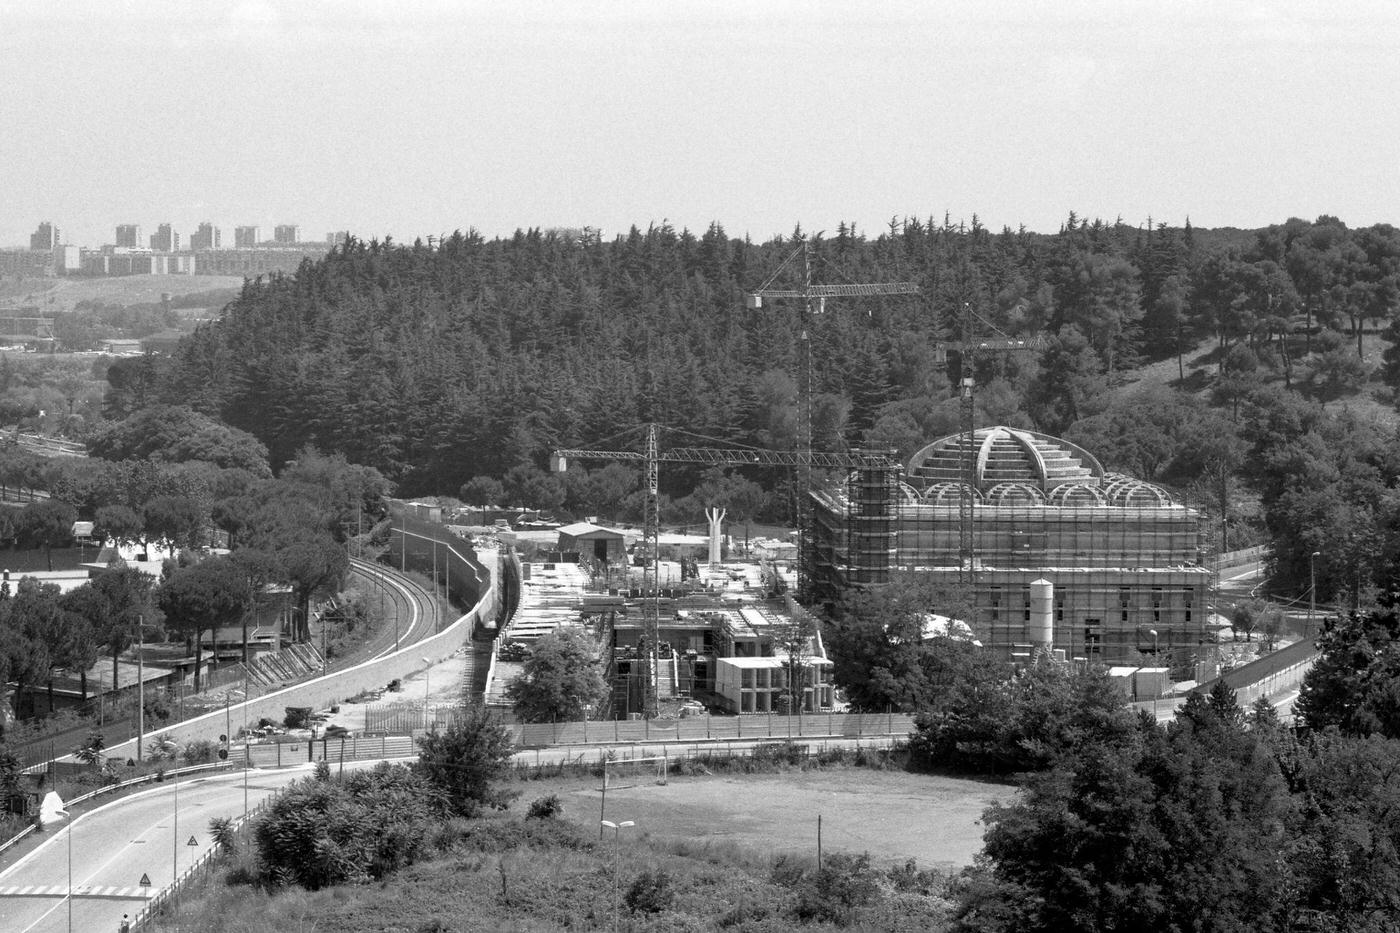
x: 1010, y: 463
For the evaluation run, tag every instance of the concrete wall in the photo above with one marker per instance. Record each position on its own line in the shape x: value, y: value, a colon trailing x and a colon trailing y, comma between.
x: 326, y: 691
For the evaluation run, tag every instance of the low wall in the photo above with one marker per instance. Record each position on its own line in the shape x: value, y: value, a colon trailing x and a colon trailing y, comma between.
x: 1280, y: 681
x: 326, y: 691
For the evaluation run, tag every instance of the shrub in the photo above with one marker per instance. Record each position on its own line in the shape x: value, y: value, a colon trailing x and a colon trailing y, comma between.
x: 650, y: 892
x: 546, y: 808
x: 200, y: 752
x: 834, y: 892
x: 464, y: 760
x: 162, y: 748
x: 297, y: 717
x: 349, y: 830
x: 225, y: 835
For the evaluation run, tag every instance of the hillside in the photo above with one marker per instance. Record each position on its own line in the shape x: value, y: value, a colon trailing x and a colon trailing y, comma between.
x: 63, y: 295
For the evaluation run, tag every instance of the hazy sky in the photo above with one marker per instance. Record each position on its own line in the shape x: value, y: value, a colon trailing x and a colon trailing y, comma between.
x: 415, y: 118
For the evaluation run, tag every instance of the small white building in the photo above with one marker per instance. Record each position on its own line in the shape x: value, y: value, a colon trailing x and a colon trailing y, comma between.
x: 757, y: 684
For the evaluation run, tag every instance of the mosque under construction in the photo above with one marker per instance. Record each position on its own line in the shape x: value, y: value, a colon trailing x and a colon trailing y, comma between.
x: 1055, y: 552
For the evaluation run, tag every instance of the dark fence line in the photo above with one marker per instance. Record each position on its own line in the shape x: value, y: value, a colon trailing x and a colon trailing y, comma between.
x: 1262, y: 668
x: 710, y: 728
x: 435, y: 552
x: 331, y: 750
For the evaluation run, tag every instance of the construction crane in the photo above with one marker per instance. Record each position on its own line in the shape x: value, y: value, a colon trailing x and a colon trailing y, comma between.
x: 970, y: 347
x: 653, y: 456
x: 813, y: 301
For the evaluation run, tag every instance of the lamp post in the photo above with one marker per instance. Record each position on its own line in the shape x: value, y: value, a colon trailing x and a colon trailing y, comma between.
x: 1156, y: 659
x: 617, y: 829
x: 427, y: 688
x: 1312, y: 588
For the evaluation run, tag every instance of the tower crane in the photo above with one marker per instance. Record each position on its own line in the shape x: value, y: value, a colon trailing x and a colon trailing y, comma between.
x: 970, y: 347
x: 813, y: 301
x: 653, y: 456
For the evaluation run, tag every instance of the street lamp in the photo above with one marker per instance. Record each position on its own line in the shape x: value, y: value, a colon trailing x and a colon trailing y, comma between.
x: 1312, y: 588
x: 1156, y: 659
x: 617, y: 829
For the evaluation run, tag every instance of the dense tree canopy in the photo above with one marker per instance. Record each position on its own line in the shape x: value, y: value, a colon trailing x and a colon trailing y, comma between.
x: 562, y: 677
x: 175, y: 434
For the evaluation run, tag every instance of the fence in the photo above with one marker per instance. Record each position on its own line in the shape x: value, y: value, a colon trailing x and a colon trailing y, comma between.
x: 710, y: 728
x: 350, y: 748
x: 406, y: 717
x: 145, y: 919
x: 1270, y: 674
x: 325, y: 691
x: 432, y: 550
x: 1241, y: 557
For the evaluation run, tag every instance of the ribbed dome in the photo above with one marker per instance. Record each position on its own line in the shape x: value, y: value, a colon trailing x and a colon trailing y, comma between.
x: 1007, y: 461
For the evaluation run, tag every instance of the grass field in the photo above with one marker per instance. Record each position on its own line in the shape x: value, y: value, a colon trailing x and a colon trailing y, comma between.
x: 893, y: 815
x: 735, y: 849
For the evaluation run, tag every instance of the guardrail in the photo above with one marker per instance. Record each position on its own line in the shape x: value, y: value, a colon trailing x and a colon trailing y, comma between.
x: 145, y: 918
x: 153, y: 778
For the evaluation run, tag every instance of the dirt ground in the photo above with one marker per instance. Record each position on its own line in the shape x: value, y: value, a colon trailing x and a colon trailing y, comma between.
x: 893, y: 815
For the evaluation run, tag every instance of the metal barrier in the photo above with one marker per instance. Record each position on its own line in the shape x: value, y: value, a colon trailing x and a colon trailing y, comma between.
x: 710, y: 728
x: 145, y: 918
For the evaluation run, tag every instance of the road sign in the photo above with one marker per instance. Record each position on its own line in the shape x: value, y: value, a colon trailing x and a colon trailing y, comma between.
x: 193, y: 842
x: 145, y: 881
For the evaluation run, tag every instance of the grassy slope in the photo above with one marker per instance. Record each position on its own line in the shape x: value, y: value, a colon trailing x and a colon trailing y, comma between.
x: 1373, y: 401
x: 499, y: 880
x: 54, y: 296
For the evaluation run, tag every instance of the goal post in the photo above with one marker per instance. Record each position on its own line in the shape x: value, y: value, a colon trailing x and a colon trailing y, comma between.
x: 632, y: 772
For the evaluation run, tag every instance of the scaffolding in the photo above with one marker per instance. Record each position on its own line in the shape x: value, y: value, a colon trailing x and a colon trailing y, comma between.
x: 1125, y: 560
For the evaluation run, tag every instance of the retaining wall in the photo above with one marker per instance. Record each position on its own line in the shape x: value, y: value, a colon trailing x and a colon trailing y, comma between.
x: 326, y: 691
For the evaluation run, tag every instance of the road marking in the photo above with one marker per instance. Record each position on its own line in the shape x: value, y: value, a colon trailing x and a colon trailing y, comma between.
x: 83, y: 890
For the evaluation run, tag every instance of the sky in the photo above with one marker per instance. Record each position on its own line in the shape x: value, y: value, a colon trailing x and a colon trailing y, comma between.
x: 415, y: 118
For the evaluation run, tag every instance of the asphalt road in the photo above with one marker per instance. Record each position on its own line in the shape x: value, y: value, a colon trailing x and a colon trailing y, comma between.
x: 111, y: 848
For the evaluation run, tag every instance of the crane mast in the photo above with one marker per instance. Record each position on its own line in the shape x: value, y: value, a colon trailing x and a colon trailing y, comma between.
x: 970, y: 347
x: 813, y: 301
x: 652, y: 456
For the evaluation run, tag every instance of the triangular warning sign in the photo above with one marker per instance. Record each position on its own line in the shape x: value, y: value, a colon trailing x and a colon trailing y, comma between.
x: 145, y: 880
x: 193, y: 842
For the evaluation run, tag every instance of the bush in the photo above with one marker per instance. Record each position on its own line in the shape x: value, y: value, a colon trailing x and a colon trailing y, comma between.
x: 200, y: 752
x: 463, y: 761
x: 297, y: 717
x: 650, y: 892
x: 546, y: 808
x: 350, y: 830
x: 834, y: 892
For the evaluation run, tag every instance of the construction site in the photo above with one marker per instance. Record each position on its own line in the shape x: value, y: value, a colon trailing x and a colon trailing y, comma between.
x: 1049, y: 551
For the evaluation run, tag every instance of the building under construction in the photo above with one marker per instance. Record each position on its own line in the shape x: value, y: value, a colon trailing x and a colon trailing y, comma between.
x: 1053, y: 552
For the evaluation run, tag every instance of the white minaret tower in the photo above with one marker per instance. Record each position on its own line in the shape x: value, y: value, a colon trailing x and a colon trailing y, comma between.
x: 715, y: 516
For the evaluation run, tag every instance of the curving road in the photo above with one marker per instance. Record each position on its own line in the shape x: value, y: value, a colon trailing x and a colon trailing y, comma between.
x: 114, y: 846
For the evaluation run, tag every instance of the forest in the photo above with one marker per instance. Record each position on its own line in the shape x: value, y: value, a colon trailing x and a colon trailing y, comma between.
x: 455, y: 366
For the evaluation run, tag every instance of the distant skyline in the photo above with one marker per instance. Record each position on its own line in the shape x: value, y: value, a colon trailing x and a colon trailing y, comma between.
x: 416, y: 119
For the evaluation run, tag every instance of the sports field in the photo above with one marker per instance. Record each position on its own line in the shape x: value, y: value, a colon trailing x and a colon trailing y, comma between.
x: 893, y: 815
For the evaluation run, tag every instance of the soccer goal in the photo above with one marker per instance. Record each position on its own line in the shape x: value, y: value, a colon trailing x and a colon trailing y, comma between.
x: 633, y: 772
